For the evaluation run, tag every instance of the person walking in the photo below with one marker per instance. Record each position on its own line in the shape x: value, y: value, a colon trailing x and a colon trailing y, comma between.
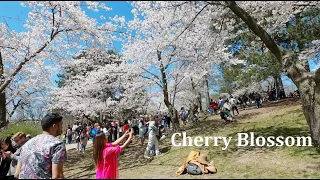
x: 69, y: 135
x: 83, y: 140
x: 233, y: 103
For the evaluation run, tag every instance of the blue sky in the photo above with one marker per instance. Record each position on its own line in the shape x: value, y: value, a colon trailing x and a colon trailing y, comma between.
x: 14, y: 14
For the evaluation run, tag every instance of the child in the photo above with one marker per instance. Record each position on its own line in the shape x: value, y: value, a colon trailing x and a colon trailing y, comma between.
x: 105, y: 155
x: 84, y: 140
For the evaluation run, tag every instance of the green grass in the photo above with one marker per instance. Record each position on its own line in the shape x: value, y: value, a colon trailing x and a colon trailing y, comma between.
x: 235, y: 162
x: 27, y: 127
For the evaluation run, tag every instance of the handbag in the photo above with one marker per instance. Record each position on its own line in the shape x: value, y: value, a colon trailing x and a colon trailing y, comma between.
x: 193, y: 169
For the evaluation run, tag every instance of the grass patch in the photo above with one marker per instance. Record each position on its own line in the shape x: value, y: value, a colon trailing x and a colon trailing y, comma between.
x: 235, y: 162
x: 244, y: 162
x: 31, y: 128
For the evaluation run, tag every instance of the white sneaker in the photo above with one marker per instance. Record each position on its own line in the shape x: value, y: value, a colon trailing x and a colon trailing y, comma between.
x: 147, y: 157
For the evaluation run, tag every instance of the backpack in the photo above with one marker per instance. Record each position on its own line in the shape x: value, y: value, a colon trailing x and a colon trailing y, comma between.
x: 193, y: 169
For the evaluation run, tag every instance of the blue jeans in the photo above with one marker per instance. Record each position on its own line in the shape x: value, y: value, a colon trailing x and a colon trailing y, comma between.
x: 83, y: 147
x: 153, y: 148
x: 211, y: 110
x: 258, y: 104
x: 165, y: 124
x: 69, y: 139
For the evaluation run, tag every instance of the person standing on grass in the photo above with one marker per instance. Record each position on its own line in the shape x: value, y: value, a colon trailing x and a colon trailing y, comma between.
x: 105, y: 155
x: 120, y: 129
x: 233, y: 103
x: 125, y: 126
x: 89, y: 130
x: 42, y: 157
x: 69, y: 135
x: 153, y: 132
x: 258, y: 100
x: 142, y: 131
x: 83, y: 140
x: 95, y: 130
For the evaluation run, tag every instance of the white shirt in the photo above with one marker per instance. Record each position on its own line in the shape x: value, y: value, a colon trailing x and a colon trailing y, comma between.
x: 105, y: 131
x: 227, y: 106
x: 74, y: 127
x: 233, y: 102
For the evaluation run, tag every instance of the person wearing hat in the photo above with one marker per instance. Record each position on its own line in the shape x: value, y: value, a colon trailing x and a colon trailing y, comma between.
x: 42, y: 157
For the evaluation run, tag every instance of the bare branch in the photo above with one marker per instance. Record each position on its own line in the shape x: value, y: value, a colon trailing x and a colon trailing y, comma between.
x: 156, y: 76
x: 152, y: 80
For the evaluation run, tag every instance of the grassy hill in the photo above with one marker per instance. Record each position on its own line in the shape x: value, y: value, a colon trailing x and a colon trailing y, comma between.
x: 281, y: 119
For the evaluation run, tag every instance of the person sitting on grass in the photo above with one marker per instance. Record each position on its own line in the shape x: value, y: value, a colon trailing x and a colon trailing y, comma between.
x: 105, y: 155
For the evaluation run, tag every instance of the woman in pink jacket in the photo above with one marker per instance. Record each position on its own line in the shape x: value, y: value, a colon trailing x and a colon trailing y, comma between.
x: 105, y: 155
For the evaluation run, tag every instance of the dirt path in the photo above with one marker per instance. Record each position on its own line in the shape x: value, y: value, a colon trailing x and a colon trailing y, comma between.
x: 73, y: 146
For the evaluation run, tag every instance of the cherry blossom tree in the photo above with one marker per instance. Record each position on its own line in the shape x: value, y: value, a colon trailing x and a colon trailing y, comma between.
x: 55, y: 31
x: 221, y: 17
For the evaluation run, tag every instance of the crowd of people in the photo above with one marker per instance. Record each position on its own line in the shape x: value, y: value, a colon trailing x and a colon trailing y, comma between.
x: 224, y: 106
x: 23, y: 157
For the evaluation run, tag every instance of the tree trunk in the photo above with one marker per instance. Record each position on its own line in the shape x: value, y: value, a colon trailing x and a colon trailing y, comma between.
x: 309, y: 87
x: 171, y: 108
x: 3, y: 113
x: 199, y: 101
x: 307, y: 83
x: 279, y: 84
x: 208, y: 93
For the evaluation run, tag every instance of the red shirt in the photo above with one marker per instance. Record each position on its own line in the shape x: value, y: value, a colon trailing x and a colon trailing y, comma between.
x: 125, y: 127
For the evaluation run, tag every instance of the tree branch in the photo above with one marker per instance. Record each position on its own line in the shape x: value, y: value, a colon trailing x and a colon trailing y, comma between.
x: 152, y: 80
x: 258, y: 30
x: 188, y: 24
x: 21, y: 64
